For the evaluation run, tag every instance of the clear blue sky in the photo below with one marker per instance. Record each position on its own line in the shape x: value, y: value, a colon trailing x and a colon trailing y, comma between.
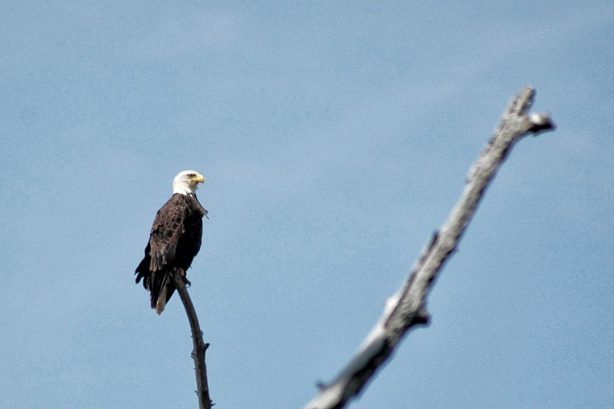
x: 335, y: 137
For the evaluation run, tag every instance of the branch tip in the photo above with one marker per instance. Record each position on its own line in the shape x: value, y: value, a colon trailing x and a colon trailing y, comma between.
x: 422, y: 317
x: 522, y: 102
x: 434, y: 238
x: 541, y: 122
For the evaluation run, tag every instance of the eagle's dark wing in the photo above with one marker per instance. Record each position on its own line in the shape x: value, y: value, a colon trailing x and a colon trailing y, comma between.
x: 157, y: 266
x: 166, y: 232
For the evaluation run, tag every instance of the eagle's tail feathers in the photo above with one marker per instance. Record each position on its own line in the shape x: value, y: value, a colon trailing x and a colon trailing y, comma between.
x: 161, y: 302
x: 162, y: 292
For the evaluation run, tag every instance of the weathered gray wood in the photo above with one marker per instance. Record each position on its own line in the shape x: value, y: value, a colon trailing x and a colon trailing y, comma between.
x: 200, y: 348
x: 407, y: 308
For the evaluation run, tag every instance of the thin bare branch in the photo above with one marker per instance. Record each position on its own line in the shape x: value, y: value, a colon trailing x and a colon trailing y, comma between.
x: 407, y: 308
x: 200, y: 348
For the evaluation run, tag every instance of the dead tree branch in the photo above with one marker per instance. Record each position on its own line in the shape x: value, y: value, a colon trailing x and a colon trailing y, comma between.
x: 407, y: 308
x: 200, y: 348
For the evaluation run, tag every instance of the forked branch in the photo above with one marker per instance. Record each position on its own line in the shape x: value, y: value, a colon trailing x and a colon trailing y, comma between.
x: 200, y: 348
x: 407, y: 308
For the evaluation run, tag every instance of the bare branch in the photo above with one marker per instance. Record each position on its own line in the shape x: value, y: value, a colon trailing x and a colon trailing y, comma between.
x: 407, y: 308
x: 200, y: 348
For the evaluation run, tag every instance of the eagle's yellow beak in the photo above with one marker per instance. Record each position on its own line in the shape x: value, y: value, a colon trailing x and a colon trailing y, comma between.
x: 199, y: 179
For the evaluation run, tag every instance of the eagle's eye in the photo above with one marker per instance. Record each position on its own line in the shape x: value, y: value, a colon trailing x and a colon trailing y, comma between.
x: 191, y: 175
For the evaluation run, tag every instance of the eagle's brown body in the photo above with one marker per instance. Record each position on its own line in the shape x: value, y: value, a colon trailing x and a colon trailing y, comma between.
x: 174, y: 241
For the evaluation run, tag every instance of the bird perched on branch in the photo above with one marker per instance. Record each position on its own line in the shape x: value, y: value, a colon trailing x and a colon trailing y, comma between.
x: 174, y: 240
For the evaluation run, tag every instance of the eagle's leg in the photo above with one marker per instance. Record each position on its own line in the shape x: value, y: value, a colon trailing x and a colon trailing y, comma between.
x: 181, y: 272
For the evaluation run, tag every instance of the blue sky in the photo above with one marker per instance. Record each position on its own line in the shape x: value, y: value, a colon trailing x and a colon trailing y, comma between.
x: 335, y: 137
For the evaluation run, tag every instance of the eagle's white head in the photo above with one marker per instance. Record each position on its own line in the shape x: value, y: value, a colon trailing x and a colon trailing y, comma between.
x: 186, y: 182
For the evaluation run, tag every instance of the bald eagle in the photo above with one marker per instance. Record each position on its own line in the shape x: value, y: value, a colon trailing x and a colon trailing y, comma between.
x: 174, y: 240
